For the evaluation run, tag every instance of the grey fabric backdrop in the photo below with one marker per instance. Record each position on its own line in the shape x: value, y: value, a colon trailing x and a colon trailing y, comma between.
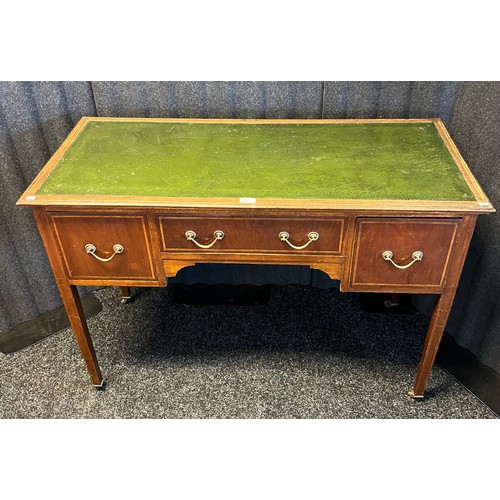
x: 35, y: 117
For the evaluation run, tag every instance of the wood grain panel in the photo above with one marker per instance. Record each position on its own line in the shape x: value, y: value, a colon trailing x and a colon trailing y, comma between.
x: 74, y: 231
x: 252, y: 234
x: 403, y: 237
x: 332, y: 266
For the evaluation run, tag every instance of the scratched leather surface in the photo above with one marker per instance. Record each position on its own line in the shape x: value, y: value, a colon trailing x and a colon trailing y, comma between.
x: 323, y: 161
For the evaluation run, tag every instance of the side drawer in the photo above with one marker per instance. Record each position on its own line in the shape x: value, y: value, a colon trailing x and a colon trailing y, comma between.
x: 252, y: 234
x: 100, y: 261
x: 386, y: 254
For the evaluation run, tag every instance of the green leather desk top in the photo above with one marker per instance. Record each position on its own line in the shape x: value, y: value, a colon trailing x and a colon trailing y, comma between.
x: 378, y: 161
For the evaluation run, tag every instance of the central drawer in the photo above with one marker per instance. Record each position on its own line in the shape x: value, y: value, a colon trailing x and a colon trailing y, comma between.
x: 230, y: 234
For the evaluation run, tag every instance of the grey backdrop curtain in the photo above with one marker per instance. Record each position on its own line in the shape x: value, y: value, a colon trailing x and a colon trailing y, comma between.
x: 35, y: 117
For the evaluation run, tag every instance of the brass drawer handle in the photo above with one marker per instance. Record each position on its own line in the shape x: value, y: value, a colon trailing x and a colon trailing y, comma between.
x: 91, y: 249
x: 191, y: 235
x: 418, y: 255
x: 313, y: 236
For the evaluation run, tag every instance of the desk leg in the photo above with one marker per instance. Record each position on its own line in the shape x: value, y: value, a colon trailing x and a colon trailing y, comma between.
x: 76, y: 316
x: 70, y: 297
x: 432, y: 340
x: 125, y: 294
x: 443, y: 307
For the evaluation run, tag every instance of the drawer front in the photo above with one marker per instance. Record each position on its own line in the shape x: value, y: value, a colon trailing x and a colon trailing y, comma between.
x: 252, y: 234
x: 373, y: 266
x: 75, y: 232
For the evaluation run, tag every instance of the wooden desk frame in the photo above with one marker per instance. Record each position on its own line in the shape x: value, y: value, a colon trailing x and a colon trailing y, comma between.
x: 455, y: 219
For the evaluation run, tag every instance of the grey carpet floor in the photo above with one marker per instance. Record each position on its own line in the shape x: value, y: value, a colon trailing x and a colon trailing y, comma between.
x: 309, y: 353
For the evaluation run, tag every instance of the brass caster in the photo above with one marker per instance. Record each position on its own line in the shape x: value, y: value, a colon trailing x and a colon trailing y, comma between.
x: 413, y: 396
x: 101, y: 386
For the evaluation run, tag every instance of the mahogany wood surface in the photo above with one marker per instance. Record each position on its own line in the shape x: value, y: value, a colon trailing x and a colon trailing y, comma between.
x: 175, y: 261
x: 403, y: 237
x: 443, y: 305
x: 353, y: 235
x: 252, y: 234
x: 70, y: 298
x: 74, y: 232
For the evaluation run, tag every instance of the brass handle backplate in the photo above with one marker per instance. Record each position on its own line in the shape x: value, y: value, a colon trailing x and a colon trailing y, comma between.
x: 313, y: 236
x: 91, y: 249
x: 388, y: 255
x: 191, y: 236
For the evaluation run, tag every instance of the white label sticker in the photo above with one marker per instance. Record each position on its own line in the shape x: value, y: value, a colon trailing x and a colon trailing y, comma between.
x: 31, y: 197
x: 248, y: 200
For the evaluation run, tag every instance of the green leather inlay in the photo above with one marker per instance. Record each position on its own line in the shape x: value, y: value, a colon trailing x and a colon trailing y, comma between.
x: 404, y: 161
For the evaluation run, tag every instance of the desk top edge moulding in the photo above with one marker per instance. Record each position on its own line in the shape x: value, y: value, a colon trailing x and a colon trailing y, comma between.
x: 376, y: 164
x: 379, y: 205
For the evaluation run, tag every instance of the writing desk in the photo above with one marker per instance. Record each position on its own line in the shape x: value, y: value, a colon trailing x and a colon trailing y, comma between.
x: 380, y: 205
